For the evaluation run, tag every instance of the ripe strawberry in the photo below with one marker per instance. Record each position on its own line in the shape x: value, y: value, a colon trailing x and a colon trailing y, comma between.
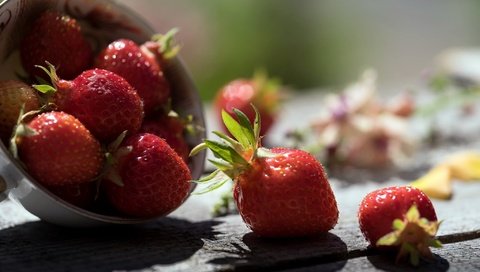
x: 55, y: 38
x: 279, y: 192
x: 241, y: 93
x: 103, y: 101
x: 13, y: 95
x: 59, y: 150
x: 141, y: 68
x: 81, y: 195
x: 400, y: 217
x: 148, y: 179
x: 171, y: 129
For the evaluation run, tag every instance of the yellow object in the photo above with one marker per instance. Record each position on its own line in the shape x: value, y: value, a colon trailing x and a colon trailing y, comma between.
x: 464, y: 166
x: 437, y: 183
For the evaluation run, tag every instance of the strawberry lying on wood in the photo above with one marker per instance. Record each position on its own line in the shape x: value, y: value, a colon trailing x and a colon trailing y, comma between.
x: 401, y: 218
x: 279, y: 192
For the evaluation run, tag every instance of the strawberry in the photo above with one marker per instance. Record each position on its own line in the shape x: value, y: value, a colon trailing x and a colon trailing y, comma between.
x: 147, y: 179
x: 278, y: 192
x: 56, y: 38
x: 81, y: 195
x: 58, y: 150
x: 140, y: 67
x: 171, y: 128
x: 241, y: 93
x: 13, y: 96
x: 401, y: 216
x: 103, y: 101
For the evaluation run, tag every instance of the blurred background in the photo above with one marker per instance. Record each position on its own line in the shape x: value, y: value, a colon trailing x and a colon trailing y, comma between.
x: 311, y: 44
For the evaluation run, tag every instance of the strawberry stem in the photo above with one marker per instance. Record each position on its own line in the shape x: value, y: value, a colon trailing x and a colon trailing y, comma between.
x: 167, y: 48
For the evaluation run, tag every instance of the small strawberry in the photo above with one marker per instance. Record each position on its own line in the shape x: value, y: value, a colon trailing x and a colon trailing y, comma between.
x: 279, y: 192
x: 56, y: 38
x: 103, y: 101
x: 13, y: 96
x: 171, y: 128
x: 147, y: 179
x: 400, y: 217
x: 59, y: 150
x: 241, y: 93
x: 81, y: 195
x: 141, y: 68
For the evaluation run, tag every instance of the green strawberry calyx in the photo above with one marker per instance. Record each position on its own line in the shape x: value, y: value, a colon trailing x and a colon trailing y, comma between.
x: 414, y: 235
x: 233, y: 156
x: 167, y: 47
x: 45, y: 88
x: 268, y: 91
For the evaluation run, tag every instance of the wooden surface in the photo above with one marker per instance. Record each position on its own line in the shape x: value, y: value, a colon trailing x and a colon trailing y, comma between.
x: 191, y: 240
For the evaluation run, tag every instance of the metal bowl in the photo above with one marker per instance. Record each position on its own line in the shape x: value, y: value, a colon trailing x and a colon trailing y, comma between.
x: 102, y: 21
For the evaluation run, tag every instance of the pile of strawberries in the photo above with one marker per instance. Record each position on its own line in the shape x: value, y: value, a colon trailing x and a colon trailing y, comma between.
x: 101, y: 132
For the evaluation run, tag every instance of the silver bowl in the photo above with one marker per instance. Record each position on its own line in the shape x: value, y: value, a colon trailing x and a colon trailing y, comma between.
x: 102, y: 21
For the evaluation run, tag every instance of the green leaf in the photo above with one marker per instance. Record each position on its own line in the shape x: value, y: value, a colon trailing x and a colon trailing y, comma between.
x: 197, y: 149
x: 412, y: 214
x: 246, y: 127
x: 262, y: 152
x: 45, y: 89
x: 236, y: 145
x: 225, y: 152
x: 113, y: 146
x: 435, y: 243
x: 208, y: 177
x: 398, y: 224
x: 388, y: 240
x: 257, y: 123
x: 216, y: 182
x: 235, y: 129
x: 221, y: 165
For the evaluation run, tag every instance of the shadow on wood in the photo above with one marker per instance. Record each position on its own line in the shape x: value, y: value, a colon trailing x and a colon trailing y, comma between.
x: 38, y: 246
x: 386, y: 262
x: 260, y: 254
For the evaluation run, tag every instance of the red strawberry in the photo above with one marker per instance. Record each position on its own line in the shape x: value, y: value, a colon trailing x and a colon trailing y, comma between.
x: 148, y: 178
x: 241, y: 93
x: 81, y: 195
x: 400, y: 217
x: 103, y: 101
x: 55, y: 38
x: 59, y: 150
x: 171, y: 129
x: 279, y: 192
x: 141, y: 68
x: 13, y: 95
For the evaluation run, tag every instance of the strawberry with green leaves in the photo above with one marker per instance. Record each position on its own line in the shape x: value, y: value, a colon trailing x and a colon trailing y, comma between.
x: 147, y: 178
x: 102, y: 100
x: 260, y: 91
x: 56, y: 38
x: 58, y: 150
x: 14, y: 95
x: 140, y: 66
x: 279, y: 192
x: 400, y: 217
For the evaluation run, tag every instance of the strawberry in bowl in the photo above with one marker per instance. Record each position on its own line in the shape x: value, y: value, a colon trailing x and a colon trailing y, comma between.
x: 83, y: 112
